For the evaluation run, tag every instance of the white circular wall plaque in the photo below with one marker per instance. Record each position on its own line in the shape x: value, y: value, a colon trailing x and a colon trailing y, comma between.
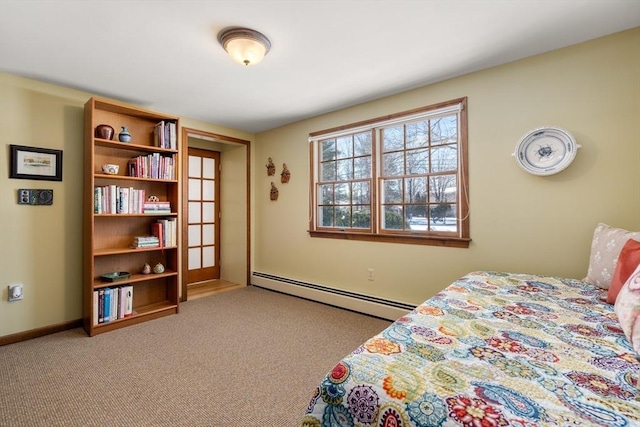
x: 545, y: 150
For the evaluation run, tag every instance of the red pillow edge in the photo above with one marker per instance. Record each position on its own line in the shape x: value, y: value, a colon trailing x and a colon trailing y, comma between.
x: 628, y: 261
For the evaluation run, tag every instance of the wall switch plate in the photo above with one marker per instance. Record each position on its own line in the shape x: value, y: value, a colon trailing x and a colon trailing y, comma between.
x: 35, y: 197
x: 15, y: 292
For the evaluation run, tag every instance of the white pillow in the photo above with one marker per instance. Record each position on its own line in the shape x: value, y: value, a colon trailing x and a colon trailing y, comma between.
x: 605, y: 248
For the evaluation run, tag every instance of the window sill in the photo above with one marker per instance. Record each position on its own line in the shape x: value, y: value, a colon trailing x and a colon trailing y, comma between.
x: 451, y: 242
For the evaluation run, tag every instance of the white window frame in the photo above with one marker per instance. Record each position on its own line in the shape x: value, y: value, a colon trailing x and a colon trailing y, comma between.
x: 376, y: 231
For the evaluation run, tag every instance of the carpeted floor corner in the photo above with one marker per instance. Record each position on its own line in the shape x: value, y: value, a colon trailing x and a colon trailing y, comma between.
x: 247, y: 358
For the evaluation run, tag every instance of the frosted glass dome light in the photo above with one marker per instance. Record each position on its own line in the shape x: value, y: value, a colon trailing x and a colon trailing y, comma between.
x: 245, y: 46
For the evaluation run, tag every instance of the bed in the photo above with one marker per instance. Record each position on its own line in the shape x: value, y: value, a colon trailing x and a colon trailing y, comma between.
x: 492, y: 349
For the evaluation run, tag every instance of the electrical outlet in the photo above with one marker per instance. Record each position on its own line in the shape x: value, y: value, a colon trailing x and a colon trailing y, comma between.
x: 15, y: 292
x: 370, y: 274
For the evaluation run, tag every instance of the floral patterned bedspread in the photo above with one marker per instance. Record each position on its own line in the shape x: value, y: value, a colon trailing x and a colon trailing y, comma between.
x: 492, y: 349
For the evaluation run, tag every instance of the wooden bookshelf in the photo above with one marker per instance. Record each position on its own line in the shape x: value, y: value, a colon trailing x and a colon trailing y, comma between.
x: 108, y: 236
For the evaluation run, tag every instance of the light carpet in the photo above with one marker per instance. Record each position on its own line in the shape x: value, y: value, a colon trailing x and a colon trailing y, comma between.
x: 248, y: 357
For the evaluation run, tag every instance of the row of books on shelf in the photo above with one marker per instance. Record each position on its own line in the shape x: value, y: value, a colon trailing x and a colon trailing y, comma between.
x: 153, y: 166
x: 165, y: 135
x: 111, y: 304
x: 113, y: 199
x: 164, y: 233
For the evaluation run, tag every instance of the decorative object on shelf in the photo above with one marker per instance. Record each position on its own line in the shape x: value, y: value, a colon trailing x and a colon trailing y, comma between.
x: 104, y: 132
x: 35, y: 197
x: 285, y: 175
x: 110, y: 169
x: 273, y: 194
x: 271, y: 168
x: 124, y: 135
x: 115, y: 276
x: 244, y: 45
x: 146, y: 269
x: 153, y: 199
x: 546, y: 150
x: 158, y: 268
x: 35, y: 163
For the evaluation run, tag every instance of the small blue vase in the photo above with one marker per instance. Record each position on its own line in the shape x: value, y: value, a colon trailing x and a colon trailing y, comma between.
x: 124, y: 136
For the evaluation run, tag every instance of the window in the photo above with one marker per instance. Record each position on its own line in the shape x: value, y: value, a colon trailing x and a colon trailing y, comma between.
x: 400, y: 178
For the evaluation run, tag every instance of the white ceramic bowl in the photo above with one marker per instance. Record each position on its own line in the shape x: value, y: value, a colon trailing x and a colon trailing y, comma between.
x: 110, y: 169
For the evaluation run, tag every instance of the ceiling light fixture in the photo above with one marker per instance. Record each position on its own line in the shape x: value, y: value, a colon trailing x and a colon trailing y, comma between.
x: 245, y: 46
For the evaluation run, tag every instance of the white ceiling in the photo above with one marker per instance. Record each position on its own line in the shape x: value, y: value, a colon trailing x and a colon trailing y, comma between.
x: 325, y: 55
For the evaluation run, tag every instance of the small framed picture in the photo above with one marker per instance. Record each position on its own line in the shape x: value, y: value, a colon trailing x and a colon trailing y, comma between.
x: 35, y: 163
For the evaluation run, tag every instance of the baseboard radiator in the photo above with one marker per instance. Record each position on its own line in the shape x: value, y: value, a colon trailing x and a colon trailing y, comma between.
x: 367, y: 304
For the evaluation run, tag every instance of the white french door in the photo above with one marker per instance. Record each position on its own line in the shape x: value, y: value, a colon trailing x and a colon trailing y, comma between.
x: 203, y: 228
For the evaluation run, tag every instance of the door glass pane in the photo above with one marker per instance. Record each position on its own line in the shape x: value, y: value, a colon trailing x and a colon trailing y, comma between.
x: 194, y: 212
x: 194, y: 189
x: 208, y: 168
x: 194, y: 258
x: 208, y: 236
x: 194, y: 166
x: 208, y: 210
x: 208, y: 190
x: 208, y: 256
x: 194, y: 235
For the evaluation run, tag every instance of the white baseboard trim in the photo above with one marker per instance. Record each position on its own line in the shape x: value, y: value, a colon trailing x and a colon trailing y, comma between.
x: 373, y: 306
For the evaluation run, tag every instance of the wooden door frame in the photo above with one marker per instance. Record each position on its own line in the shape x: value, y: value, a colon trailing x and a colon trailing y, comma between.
x: 184, y: 150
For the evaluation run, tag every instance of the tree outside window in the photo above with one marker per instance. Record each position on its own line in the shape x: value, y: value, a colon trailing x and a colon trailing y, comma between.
x: 399, y: 178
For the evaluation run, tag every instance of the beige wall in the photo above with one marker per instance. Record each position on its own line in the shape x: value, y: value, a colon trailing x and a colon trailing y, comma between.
x: 519, y: 222
x: 41, y: 246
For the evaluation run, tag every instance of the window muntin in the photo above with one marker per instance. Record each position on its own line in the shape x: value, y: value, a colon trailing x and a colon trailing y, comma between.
x: 400, y: 176
x: 344, y: 187
x: 418, y: 177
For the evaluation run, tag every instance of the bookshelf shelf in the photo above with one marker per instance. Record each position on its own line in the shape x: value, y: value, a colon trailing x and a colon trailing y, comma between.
x: 120, y: 215
x: 141, y: 314
x: 98, y: 284
x: 131, y: 146
x: 130, y: 178
x: 108, y: 235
